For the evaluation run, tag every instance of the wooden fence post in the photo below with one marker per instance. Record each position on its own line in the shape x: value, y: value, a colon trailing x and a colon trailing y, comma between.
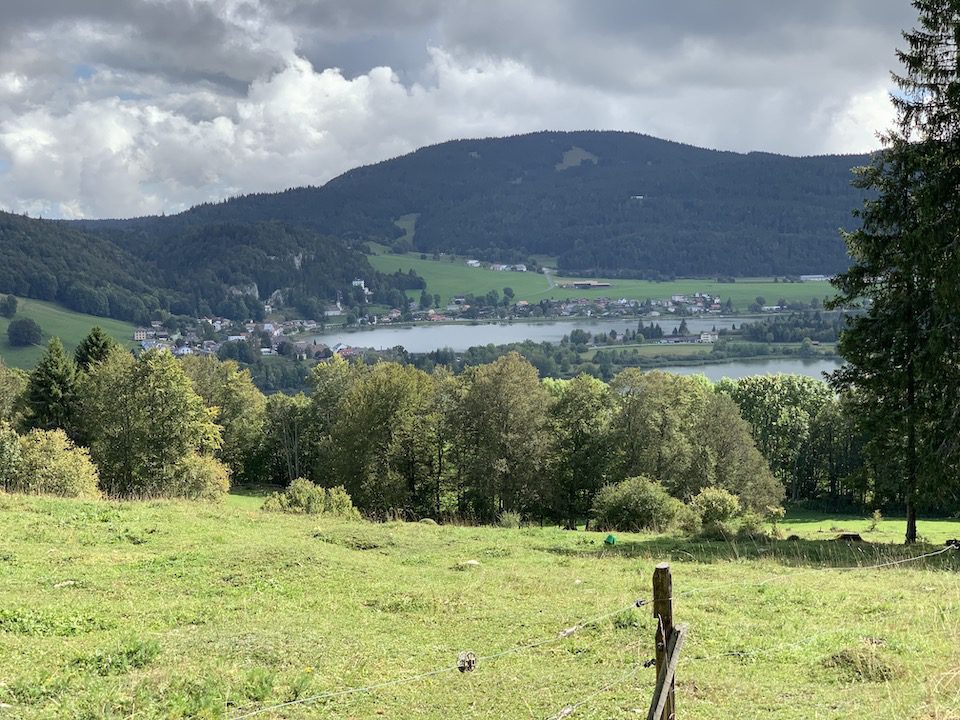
x: 663, y: 612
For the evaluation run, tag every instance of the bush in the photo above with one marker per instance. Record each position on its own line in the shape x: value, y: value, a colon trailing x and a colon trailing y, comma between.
x: 9, y: 455
x: 751, y: 526
x: 715, y: 505
x: 635, y: 504
x: 509, y: 520
x: 201, y: 477
x: 8, y: 306
x: 50, y: 464
x: 775, y: 514
x: 717, y: 531
x: 304, y: 497
x: 23, y: 332
x: 688, y: 520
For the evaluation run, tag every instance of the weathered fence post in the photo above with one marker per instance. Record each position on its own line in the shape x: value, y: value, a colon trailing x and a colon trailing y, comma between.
x: 663, y: 612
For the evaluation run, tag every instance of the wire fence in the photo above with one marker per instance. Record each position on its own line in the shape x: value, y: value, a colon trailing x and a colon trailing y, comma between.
x: 635, y: 668
x: 514, y: 650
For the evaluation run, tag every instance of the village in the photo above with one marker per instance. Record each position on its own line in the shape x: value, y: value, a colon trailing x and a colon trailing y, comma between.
x: 277, y: 335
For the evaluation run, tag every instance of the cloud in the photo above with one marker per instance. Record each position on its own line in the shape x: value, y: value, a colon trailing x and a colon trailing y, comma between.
x: 111, y: 108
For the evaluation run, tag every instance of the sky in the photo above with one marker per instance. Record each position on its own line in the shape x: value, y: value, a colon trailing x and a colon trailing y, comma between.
x: 119, y: 108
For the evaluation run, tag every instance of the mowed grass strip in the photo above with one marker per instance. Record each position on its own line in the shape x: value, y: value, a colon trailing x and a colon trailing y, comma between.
x: 455, y: 278
x: 55, y: 321
x: 175, y: 610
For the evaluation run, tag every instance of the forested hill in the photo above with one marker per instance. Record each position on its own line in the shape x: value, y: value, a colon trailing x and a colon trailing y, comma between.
x: 130, y: 271
x: 603, y: 202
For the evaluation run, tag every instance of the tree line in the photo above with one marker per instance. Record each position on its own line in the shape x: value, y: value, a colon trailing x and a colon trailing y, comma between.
x: 495, y: 438
x: 139, y: 270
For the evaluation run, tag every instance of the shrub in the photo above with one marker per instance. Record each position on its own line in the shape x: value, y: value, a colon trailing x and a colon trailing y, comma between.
x: 336, y: 501
x: 715, y: 505
x: 8, y: 306
x: 875, y: 519
x: 717, y: 531
x: 635, y: 504
x: 24, y: 331
x: 776, y: 514
x: 751, y: 526
x: 201, y: 477
x: 9, y: 455
x: 304, y: 497
x: 509, y: 520
x: 50, y: 464
x: 688, y: 520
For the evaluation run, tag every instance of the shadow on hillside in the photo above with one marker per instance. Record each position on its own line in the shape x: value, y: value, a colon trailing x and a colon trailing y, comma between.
x: 789, y: 553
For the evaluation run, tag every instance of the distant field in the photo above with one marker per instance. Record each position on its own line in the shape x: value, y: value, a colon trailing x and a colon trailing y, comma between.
x: 454, y: 278
x: 156, y: 610
x: 55, y: 320
x: 653, y: 349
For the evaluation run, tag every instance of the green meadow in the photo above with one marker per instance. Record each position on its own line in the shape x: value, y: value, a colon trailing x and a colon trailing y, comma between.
x: 455, y: 278
x: 55, y: 321
x: 175, y: 610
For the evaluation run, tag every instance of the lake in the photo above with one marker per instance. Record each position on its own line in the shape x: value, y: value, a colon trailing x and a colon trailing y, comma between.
x: 460, y: 336
x: 463, y: 335
x: 736, y: 369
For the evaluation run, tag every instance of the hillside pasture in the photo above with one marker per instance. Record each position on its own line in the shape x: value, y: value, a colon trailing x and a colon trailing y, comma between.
x: 456, y: 278
x: 176, y: 610
x: 55, y: 321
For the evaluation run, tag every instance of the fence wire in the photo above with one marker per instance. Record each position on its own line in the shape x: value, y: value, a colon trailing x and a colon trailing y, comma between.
x: 569, y: 709
x: 549, y: 640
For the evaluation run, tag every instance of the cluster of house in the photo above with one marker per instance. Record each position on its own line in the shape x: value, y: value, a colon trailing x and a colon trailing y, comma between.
x: 697, y: 303
x: 501, y: 267
x: 270, y: 336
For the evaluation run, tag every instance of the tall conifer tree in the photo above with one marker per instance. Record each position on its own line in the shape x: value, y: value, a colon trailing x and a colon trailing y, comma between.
x: 51, y: 390
x: 902, y: 357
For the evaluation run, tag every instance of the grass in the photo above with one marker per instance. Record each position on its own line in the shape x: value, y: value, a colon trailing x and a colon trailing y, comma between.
x: 654, y: 350
x: 175, y: 610
x: 454, y: 278
x: 55, y: 321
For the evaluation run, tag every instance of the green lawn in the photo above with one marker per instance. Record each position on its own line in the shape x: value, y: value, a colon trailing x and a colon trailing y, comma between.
x: 455, y: 278
x: 174, y: 610
x: 654, y: 349
x: 55, y: 320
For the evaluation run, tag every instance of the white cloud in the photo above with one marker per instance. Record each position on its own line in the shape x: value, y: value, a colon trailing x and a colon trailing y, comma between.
x: 237, y: 107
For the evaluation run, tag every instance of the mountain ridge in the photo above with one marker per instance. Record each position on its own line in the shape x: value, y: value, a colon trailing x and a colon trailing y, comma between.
x: 624, y: 204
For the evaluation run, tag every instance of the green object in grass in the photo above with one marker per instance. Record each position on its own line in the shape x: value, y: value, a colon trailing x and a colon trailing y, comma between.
x: 610, y: 540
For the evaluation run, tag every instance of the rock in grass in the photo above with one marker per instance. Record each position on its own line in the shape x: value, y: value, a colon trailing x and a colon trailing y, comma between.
x: 428, y: 521
x: 467, y: 565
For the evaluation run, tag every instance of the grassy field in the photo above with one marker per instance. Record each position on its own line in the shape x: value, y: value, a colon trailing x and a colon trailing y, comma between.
x: 655, y: 350
x: 55, y: 320
x: 454, y: 278
x: 173, y: 610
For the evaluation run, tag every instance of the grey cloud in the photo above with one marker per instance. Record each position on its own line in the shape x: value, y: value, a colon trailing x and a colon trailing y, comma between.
x: 195, y: 99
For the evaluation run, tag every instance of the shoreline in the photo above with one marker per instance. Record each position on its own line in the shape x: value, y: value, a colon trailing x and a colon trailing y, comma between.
x: 530, y: 321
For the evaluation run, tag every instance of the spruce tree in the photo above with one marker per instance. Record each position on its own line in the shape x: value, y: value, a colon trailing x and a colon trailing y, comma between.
x: 94, y: 348
x: 51, y: 390
x: 901, y: 352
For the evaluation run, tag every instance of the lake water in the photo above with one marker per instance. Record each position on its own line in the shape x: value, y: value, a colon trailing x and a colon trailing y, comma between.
x: 460, y: 336
x: 736, y: 369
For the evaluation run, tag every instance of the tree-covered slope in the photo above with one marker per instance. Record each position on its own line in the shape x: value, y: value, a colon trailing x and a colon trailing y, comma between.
x: 606, y: 202
x: 49, y: 260
x: 132, y: 270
